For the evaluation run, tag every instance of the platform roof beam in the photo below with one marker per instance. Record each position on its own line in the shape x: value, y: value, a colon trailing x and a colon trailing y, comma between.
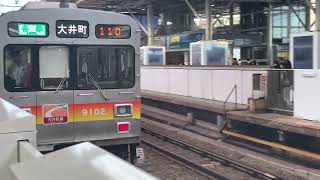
x: 135, y: 18
x: 310, y: 6
x: 208, y: 13
x: 221, y: 12
x: 270, y: 34
x: 218, y: 19
x: 192, y: 9
x: 150, y: 24
x: 313, y: 10
x: 231, y: 15
x: 317, y: 15
x: 222, y: 23
x: 217, y: 15
x: 297, y: 15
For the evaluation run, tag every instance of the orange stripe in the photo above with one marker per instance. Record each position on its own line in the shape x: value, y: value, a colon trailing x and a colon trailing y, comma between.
x: 90, y: 112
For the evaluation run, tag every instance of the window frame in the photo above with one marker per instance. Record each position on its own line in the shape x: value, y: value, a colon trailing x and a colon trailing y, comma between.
x: 76, y: 66
x: 5, y: 70
x: 69, y: 66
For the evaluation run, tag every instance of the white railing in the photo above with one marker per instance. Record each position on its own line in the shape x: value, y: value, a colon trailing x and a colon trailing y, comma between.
x: 20, y: 160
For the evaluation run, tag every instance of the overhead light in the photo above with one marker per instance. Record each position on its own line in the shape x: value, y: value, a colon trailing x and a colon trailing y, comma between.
x: 212, y: 5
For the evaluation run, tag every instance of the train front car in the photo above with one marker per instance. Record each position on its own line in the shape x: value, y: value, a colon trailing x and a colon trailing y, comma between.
x: 77, y: 71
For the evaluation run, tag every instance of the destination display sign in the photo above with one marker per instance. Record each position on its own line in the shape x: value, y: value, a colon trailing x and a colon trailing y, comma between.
x: 19, y: 29
x: 106, y: 31
x: 72, y: 29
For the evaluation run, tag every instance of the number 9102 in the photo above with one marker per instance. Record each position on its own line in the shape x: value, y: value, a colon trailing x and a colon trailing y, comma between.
x: 93, y: 112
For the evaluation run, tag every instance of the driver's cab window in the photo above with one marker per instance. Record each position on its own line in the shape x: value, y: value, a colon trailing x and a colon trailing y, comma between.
x: 54, y: 67
x: 18, y: 68
x: 105, y: 67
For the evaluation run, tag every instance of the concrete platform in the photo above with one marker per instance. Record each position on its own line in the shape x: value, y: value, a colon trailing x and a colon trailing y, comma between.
x: 276, y: 121
x: 204, y: 104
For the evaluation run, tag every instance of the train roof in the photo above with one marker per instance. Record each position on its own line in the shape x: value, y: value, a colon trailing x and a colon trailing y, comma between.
x: 49, y: 15
x: 48, y: 5
x: 51, y: 7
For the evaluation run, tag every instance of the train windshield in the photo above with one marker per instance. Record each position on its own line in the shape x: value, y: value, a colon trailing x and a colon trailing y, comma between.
x: 109, y: 66
x: 56, y: 67
x: 18, y: 69
x: 53, y: 67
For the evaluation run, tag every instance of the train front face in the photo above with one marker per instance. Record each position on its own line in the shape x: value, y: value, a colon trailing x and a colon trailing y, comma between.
x: 76, y: 70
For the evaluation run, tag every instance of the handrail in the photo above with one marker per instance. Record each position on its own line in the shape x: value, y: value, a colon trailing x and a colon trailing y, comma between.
x: 234, y: 89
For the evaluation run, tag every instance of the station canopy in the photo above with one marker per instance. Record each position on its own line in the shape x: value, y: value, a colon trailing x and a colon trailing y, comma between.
x: 159, y: 6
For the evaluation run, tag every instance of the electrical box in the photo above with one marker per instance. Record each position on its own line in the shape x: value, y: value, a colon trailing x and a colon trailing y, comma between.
x: 304, y: 50
x: 209, y: 53
x: 153, y: 55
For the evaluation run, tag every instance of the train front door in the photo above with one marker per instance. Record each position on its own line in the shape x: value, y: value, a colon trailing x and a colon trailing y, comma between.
x: 55, y: 100
x: 101, y: 72
x: 91, y: 108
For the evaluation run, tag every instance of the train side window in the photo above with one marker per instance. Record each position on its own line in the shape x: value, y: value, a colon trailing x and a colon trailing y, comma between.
x: 112, y: 67
x: 18, y: 68
x: 54, y: 67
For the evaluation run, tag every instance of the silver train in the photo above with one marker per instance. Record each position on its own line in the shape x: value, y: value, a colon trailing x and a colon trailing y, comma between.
x: 77, y: 71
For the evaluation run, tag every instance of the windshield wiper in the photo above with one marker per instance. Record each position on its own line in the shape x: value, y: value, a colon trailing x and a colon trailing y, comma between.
x: 63, y: 80
x: 97, y: 86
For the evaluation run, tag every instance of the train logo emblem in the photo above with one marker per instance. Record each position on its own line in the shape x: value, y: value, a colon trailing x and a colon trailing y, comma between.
x: 55, y: 113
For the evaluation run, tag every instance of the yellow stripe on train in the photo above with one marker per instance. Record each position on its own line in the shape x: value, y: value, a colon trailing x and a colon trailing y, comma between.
x: 63, y: 113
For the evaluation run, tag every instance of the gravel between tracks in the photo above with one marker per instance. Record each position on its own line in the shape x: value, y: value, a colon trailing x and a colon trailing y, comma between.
x: 165, y: 168
x: 199, y: 158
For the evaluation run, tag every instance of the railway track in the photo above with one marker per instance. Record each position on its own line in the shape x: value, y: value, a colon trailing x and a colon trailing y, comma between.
x: 207, y: 163
x: 164, y: 167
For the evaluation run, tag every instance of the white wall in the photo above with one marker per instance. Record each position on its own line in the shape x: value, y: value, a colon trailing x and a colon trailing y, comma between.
x: 200, y: 82
x: 216, y: 84
x: 306, y: 94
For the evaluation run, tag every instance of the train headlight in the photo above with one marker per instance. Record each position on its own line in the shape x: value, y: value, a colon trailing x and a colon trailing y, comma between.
x: 123, y: 110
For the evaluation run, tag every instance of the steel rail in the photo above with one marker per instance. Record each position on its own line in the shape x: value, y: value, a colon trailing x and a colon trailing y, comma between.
x: 183, y: 161
x: 225, y: 161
